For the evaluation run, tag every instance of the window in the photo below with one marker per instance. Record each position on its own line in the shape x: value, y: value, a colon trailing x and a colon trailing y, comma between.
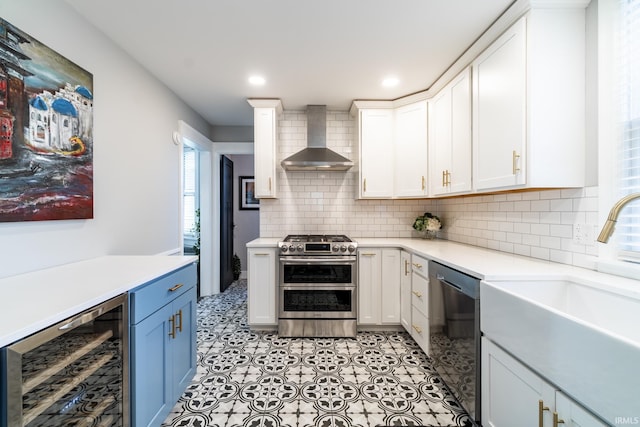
x: 628, y: 161
x: 190, y: 190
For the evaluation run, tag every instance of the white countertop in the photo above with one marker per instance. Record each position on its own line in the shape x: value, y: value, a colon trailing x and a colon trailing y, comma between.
x: 33, y: 301
x: 487, y: 264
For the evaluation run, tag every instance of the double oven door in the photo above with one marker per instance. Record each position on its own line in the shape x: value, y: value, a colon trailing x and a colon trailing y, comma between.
x: 318, y: 287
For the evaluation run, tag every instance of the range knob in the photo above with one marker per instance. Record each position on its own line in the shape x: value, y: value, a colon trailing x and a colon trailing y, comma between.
x: 352, y: 248
x: 292, y: 248
x: 335, y: 248
x: 343, y: 248
x: 300, y: 248
x: 284, y: 248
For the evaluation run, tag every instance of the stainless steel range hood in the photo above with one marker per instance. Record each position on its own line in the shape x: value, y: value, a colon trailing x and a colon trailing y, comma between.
x: 316, y: 157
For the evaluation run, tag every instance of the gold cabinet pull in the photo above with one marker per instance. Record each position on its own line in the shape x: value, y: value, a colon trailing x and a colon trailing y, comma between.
x: 269, y: 184
x: 416, y: 265
x: 516, y: 157
x: 179, y: 315
x: 423, y: 183
x: 448, y: 178
x: 172, y: 321
x: 364, y: 185
x: 367, y: 254
x: 444, y: 178
x: 557, y: 420
x: 406, y: 267
x: 418, y: 294
x: 418, y: 330
x: 541, y: 409
x: 176, y: 287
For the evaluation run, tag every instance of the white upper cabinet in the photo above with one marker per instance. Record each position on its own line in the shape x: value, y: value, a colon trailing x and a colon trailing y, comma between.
x: 450, y: 137
x: 375, y: 130
x: 411, y: 150
x: 529, y: 104
x: 499, y: 111
x: 265, y: 119
x: 392, y: 149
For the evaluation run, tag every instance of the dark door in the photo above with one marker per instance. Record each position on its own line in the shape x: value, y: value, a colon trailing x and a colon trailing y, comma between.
x: 226, y: 223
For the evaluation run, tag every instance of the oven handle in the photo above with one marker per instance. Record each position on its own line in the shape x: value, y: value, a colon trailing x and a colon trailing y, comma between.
x: 316, y: 286
x: 308, y: 260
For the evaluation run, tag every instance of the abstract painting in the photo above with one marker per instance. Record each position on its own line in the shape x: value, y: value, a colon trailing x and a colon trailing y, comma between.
x: 46, y: 132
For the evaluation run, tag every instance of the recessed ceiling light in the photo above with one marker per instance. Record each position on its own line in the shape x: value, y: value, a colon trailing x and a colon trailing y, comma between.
x: 390, y: 81
x: 257, y: 80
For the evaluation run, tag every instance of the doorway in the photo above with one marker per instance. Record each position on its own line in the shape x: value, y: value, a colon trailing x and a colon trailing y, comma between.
x: 209, y: 180
x: 226, y: 223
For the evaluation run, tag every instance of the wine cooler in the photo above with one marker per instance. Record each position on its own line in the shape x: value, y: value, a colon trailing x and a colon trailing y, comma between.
x: 74, y: 373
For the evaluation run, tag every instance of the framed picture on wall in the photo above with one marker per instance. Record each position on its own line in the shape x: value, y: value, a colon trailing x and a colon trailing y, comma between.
x: 247, y: 193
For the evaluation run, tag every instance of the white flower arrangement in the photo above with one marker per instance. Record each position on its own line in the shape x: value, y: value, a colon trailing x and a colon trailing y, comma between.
x: 427, y: 222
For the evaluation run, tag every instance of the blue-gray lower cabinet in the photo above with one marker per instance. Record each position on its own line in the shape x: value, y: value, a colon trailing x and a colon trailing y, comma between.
x: 162, y: 344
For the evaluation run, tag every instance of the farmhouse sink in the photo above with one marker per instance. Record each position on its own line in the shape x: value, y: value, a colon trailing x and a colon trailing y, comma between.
x: 580, y: 336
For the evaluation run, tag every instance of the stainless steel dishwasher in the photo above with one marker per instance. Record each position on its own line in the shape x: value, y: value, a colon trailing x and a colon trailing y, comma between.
x: 454, y: 329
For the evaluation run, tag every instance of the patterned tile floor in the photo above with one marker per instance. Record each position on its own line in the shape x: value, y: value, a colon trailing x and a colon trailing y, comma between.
x: 257, y: 379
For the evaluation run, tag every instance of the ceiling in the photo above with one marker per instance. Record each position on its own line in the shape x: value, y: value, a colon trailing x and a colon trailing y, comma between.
x: 310, y: 52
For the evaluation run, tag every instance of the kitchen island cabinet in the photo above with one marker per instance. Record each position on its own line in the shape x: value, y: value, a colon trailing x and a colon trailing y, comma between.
x: 163, y: 344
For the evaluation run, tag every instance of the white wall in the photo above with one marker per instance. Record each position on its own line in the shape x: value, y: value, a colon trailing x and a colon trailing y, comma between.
x: 232, y: 133
x: 247, y: 222
x: 136, y: 164
x: 536, y: 224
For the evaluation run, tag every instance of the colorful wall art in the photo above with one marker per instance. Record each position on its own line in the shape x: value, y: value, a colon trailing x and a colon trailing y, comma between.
x: 46, y: 132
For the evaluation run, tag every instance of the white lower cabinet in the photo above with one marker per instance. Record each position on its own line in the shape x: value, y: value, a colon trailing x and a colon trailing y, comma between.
x: 378, y: 286
x: 405, y: 290
x: 390, y: 290
x: 515, y: 396
x: 420, y: 301
x: 419, y: 329
x: 262, y: 286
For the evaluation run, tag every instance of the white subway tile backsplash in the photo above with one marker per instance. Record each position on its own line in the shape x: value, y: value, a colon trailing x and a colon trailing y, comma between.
x: 537, y: 224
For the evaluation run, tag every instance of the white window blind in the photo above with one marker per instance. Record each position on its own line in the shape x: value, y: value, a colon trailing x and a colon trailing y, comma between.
x: 190, y: 190
x: 628, y: 226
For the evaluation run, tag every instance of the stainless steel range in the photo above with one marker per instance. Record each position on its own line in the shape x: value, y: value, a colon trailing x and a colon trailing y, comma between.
x: 318, y: 286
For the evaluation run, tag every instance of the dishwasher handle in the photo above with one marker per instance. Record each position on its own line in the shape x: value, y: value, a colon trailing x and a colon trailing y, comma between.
x: 441, y: 278
x: 455, y: 279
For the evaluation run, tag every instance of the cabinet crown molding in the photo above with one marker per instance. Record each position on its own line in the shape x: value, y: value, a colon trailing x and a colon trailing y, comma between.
x: 266, y: 103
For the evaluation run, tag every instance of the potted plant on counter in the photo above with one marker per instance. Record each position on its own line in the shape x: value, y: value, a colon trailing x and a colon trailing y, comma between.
x: 428, y: 225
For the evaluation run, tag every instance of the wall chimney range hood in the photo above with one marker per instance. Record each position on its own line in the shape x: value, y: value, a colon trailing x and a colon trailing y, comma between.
x: 316, y: 157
